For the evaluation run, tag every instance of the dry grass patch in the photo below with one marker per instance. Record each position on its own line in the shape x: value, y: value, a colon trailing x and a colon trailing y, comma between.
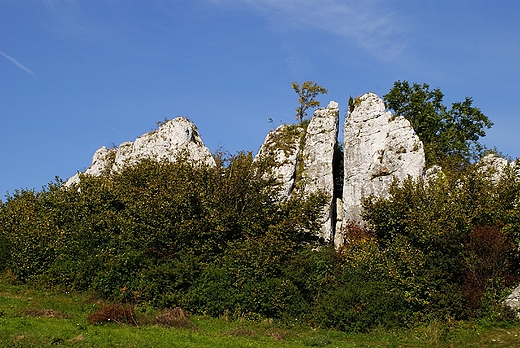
x: 176, y: 317
x: 113, y: 313
x: 77, y: 338
x: 45, y: 313
x: 277, y: 334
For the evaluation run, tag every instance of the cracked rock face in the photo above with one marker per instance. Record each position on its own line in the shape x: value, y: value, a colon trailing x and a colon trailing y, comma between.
x: 379, y: 147
x: 173, y: 138
x: 318, y: 161
x: 304, y: 158
x: 494, y: 167
x: 513, y: 301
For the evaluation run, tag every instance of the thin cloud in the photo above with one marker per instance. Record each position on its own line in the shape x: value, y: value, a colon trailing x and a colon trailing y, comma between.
x: 369, y: 24
x: 18, y: 64
x: 69, y: 18
x: 29, y: 71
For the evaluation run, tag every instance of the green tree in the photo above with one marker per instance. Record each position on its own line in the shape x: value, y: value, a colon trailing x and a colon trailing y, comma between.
x: 448, y: 242
x: 308, y: 92
x: 449, y: 136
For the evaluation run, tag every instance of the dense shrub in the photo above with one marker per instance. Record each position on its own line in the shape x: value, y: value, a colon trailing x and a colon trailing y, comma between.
x: 167, y: 234
x: 28, y: 232
x: 253, y: 276
x: 434, y: 237
x: 356, y: 304
x: 358, y: 292
x: 165, y: 284
x: 490, y: 262
x: 5, y: 251
x: 214, y: 240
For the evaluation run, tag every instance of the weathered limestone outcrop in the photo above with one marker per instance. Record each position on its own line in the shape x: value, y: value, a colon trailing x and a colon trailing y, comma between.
x: 513, y: 301
x: 171, y: 139
x: 494, y: 166
x: 379, y: 147
x: 318, y: 161
x: 282, y: 147
x: 303, y: 157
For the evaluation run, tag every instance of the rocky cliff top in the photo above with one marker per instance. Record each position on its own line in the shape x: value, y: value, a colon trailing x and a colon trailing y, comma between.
x: 378, y: 148
x: 172, y: 139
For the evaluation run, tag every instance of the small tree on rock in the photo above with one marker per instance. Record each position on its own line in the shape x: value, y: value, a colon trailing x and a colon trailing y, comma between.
x: 308, y: 92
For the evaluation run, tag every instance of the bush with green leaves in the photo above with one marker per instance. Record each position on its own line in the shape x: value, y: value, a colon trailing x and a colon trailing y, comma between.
x: 28, y: 231
x: 358, y: 293
x: 157, y: 232
x: 437, y: 237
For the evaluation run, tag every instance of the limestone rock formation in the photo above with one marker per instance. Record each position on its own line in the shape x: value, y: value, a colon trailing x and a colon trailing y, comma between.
x: 318, y: 161
x: 379, y: 147
x: 282, y: 146
x: 494, y: 166
x: 303, y: 156
x: 171, y: 139
x: 513, y: 301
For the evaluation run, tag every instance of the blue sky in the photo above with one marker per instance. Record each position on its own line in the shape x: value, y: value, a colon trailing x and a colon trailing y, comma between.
x: 76, y: 75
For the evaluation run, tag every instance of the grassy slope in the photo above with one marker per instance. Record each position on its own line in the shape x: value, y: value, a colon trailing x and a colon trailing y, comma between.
x: 30, y: 318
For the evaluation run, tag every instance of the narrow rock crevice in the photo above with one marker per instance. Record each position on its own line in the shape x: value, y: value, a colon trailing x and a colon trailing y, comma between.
x: 378, y: 148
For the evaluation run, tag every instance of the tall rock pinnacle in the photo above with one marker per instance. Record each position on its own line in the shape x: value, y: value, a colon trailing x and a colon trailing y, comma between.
x: 379, y: 148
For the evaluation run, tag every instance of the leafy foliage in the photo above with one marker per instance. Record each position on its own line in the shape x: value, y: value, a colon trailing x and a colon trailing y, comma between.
x: 167, y: 234
x: 214, y: 239
x: 359, y: 295
x: 449, y: 136
x: 308, y: 92
x: 437, y: 237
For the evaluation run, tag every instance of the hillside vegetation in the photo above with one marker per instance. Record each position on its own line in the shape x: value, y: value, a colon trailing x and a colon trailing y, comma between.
x: 215, y: 241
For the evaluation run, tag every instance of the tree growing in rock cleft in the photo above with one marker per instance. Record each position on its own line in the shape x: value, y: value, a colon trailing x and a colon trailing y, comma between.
x: 308, y: 92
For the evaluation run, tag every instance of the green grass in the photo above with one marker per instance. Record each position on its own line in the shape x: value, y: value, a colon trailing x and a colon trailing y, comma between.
x: 35, y: 318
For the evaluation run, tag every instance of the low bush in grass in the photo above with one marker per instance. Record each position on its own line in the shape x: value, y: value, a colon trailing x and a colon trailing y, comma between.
x: 176, y: 317
x: 113, y: 313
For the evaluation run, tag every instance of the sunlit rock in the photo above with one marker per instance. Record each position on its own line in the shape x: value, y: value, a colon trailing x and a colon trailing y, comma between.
x: 379, y: 147
x: 173, y: 138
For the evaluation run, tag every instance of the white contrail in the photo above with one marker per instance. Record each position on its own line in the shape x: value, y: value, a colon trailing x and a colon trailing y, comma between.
x: 27, y: 70
x: 18, y: 64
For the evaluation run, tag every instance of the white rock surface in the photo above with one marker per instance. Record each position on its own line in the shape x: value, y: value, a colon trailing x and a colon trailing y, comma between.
x: 173, y: 138
x: 282, y: 146
x: 318, y: 161
x: 433, y: 173
x: 310, y: 151
x: 513, y: 301
x: 378, y: 148
x: 493, y: 166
